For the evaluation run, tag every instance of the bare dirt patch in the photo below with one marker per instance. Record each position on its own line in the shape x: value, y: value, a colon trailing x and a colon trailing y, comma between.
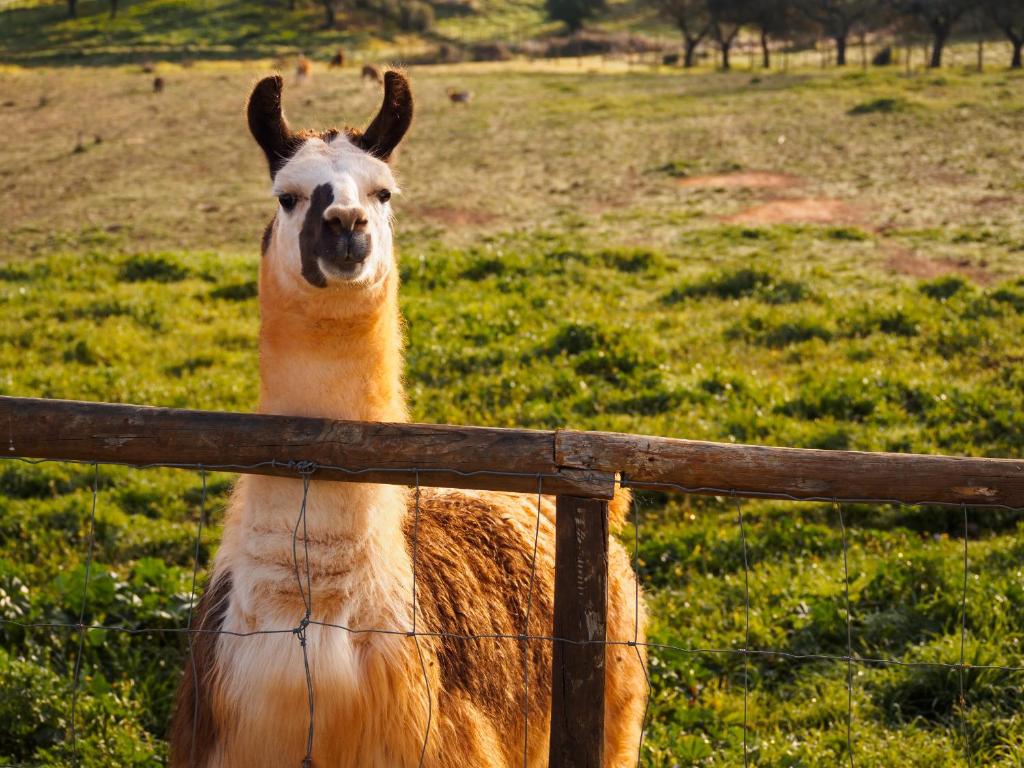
x: 743, y: 180
x: 809, y: 210
x: 457, y: 217
x: 903, y: 261
x: 989, y: 202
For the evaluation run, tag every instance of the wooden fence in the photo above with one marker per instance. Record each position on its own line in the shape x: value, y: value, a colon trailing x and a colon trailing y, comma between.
x: 582, y: 468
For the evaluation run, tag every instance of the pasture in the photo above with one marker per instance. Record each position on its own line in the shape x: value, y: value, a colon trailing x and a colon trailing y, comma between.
x: 815, y: 259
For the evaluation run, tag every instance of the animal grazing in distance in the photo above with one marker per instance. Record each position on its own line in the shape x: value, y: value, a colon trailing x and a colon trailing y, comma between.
x: 158, y: 85
x: 331, y: 346
x: 337, y: 60
x: 459, y: 97
x: 371, y: 72
x: 304, y: 68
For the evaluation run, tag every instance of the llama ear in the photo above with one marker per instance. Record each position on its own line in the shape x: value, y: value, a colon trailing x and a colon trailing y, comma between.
x: 391, y: 123
x: 267, y: 123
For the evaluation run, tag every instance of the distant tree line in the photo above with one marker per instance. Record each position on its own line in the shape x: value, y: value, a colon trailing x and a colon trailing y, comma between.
x: 720, y: 21
x: 409, y: 15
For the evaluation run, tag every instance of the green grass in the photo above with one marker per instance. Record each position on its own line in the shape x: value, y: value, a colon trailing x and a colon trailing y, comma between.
x: 178, y: 30
x: 556, y: 274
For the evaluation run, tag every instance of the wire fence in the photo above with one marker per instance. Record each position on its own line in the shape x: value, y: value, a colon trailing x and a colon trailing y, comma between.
x: 306, y: 473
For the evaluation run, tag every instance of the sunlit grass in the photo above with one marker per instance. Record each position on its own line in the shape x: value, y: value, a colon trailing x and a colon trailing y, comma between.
x: 556, y: 272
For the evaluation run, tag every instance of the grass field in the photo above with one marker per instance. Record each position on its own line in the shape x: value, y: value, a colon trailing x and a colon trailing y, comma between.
x: 810, y: 259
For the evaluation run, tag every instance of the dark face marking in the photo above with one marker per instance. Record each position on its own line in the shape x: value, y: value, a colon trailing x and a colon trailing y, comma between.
x: 265, y: 241
x: 341, y: 242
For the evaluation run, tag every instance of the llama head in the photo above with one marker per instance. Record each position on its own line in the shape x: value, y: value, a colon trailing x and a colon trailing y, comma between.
x: 332, y: 230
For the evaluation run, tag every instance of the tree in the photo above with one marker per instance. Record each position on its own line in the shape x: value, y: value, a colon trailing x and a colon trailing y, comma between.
x: 573, y: 12
x: 73, y: 8
x: 330, y: 19
x: 727, y: 16
x: 773, y: 18
x: 940, y: 16
x: 692, y: 19
x: 1008, y: 15
x: 837, y: 18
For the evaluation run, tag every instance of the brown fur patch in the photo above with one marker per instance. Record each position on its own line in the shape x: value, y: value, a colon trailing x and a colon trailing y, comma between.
x: 192, y: 718
x: 473, y: 573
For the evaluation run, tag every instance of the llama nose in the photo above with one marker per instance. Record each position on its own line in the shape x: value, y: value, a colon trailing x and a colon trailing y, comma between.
x: 345, y: 221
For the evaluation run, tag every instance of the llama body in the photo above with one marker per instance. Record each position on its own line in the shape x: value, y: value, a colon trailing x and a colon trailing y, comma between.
x: 331, y: 346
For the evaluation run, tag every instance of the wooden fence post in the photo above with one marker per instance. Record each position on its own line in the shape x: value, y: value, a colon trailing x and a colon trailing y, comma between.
x: 581, y: 603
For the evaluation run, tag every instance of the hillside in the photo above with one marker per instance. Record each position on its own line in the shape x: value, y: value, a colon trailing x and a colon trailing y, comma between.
x: 33, y: 34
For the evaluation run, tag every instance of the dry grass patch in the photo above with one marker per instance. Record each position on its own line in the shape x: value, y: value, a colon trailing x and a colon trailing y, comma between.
x: 743, y: 180
x: 904, y: 261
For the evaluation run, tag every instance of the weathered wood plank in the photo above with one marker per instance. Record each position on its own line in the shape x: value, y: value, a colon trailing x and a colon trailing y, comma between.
x: 446, y: 456
x: 752, y: 470
x: 581, y: 605
x: 578, y: 463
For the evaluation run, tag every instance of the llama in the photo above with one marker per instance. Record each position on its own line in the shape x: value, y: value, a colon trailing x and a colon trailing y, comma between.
x: 456, y: 96
x: 331, y: 345
x: 372, y: 73
x: 303, y: 69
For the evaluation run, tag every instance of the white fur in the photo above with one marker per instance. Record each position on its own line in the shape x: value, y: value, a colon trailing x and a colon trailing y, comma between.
x: 355, y: 178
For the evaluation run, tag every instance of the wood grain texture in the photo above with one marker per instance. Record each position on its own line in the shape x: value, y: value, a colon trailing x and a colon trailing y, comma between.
x: 576, y: 463
x: 446, y: 456
x: 752, y: 470
x: 580, y: 616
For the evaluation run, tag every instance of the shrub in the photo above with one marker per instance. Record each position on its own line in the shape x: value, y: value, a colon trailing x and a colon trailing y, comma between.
x: 843, y: 400
x: 631, y: 259
x: 883, y: 106
x: 236, y: 292
x: 892, y: 322
x: 943, y: 287
x: 774, y: 330
x: 416, y: 16
x: 740, y: 283
x: 1011, y: 296
x: 610, y: 354
x: 156, y: 268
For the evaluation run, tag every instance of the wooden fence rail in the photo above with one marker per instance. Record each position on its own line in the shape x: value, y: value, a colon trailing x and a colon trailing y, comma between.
x: 570, y: 462
x: 581, y: 468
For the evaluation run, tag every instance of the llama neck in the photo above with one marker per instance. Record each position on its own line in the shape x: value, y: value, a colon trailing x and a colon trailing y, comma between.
x: 342, y: 367
x: 336, y: 368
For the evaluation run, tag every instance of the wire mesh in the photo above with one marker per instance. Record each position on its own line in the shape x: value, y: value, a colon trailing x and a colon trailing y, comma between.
x: 849, y: 635
x: 196, y: 682
x: 305, y: 471
x: 746, y: 629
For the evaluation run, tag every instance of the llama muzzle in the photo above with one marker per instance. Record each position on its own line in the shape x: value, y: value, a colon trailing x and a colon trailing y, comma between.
x: 334, y: 240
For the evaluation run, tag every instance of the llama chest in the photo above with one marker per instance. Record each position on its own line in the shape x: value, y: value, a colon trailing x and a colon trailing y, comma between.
x: 357, y: 694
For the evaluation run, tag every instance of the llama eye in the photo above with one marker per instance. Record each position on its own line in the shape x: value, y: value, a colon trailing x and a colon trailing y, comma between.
x: 384, y: 195
x: 287, y: 201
